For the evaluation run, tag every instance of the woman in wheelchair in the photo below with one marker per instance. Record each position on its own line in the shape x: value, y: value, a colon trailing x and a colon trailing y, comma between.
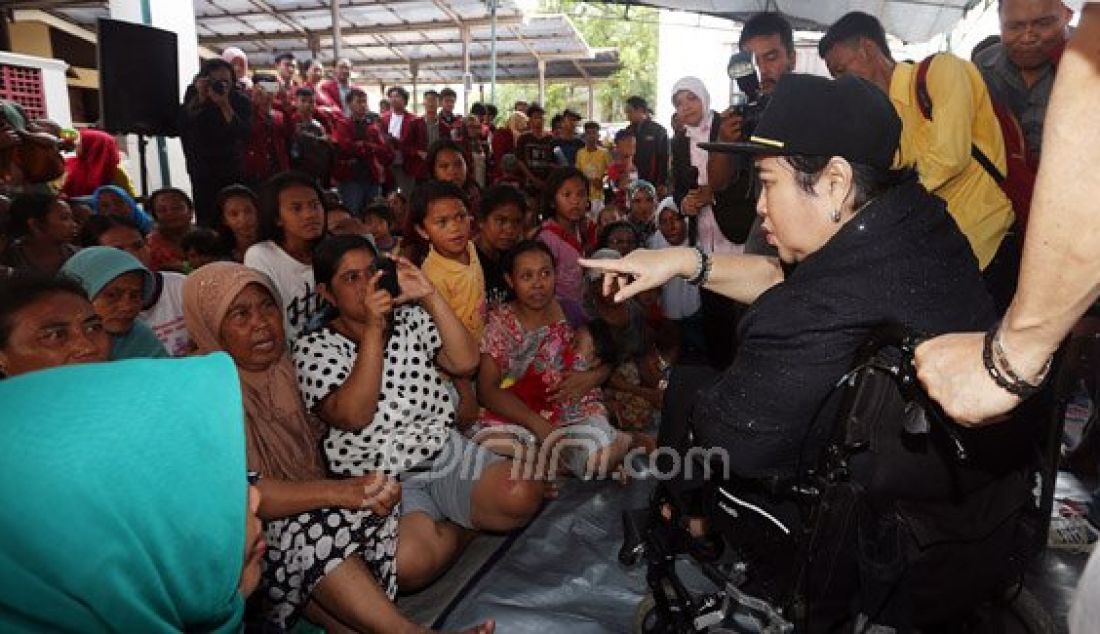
x: 860, y: 244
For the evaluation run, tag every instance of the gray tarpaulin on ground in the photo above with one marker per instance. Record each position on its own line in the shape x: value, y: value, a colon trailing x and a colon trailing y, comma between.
x: 562, y: 573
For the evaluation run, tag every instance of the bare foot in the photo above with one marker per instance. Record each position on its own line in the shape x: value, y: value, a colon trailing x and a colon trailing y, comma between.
x: 488, y: 627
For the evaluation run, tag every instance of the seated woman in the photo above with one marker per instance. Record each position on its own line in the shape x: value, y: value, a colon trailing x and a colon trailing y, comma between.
x: 47, y: 321
x: 330, y: 542
x: 237, y: 220
x: 868, y: 246
x: 119, y: 286
x: 111, y: 200
x: 527, y: 349
x: 174, y: 212
x: 95, y: 164
x: 373, y: 374
x: 163, y: 312
x: 43, y: 232
x: 149, y: 525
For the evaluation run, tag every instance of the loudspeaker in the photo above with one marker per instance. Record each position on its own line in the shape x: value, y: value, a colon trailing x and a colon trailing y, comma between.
x: 138, y: 79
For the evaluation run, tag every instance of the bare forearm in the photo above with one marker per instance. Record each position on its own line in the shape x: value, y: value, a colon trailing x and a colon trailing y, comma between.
x: 743, y: 278
x: 459, y: 355
x: 282, y: 498
x: 509, y: 406
x: 1060, y: 272
x: 352, y: 406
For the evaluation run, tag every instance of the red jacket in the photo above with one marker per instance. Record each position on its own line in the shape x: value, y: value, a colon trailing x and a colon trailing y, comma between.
x: 370, y: 147
x: 330, y: 90
x: 410, y: 141
x: 421, y: 124
x: 266, y: 152
x: 502, y: 142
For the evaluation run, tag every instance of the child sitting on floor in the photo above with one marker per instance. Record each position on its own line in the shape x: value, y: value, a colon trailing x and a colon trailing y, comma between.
x: 528, y: 352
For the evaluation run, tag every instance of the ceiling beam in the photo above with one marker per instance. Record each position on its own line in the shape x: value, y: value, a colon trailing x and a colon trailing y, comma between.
x: 431, y: 25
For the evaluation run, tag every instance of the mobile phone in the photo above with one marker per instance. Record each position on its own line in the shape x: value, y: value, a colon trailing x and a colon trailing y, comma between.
x: 388, y: 281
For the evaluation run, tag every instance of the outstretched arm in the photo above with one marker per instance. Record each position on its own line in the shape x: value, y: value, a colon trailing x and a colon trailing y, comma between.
x: 742, y: 278
x: 1060, y: 273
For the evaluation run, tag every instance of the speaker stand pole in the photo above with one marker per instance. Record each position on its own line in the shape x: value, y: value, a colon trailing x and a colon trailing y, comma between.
x: 144, y: 169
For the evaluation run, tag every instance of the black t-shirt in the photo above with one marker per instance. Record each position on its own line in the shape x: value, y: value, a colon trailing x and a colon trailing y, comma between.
x: 537, y: 154
x: 496, y: 289
x: 569, y: 147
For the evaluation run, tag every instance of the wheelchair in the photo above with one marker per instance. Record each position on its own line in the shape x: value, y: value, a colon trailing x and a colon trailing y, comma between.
x: 890, y: 523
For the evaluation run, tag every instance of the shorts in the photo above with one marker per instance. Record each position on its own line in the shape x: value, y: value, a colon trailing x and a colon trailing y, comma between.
x: 444, y: 487
x: 575, y: 450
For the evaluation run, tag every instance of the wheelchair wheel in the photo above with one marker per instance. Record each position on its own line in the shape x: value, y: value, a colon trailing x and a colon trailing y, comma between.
x: 646, y: 618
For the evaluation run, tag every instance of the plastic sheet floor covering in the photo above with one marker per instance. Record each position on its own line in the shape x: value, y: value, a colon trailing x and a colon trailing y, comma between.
x: 562, y: 574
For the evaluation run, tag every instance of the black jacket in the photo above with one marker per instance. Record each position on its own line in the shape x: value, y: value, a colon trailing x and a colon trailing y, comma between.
x: 902, y: 259
x: 734, y: 207
x: 214, y: 147
x: 651, y: 157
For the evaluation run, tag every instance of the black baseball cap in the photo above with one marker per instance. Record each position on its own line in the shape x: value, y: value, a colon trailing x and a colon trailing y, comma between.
x: 816, y: 116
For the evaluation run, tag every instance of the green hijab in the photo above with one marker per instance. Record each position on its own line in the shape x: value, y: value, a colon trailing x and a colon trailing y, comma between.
x: 123, y: 511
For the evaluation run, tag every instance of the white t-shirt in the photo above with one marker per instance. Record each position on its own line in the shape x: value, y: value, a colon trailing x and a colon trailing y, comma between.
x: 292, y: 279
x: 395, y: 131
x: 679, y: 299
x: 415, y: 412
x: 165, y: 317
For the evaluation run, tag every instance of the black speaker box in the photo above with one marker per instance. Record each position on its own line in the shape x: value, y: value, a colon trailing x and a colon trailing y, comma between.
x: 138, y: 79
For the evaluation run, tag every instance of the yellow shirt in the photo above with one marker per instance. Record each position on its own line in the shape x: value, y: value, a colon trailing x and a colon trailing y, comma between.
x: 594, y: 165
x: 461, y: 285
x: 962, y: 114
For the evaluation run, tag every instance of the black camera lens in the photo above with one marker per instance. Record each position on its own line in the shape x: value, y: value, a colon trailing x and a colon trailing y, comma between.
x: 221, y: 86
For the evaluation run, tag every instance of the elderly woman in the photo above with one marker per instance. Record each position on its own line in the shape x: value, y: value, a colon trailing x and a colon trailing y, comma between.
x: 119, y: 287
x: 866, y: 246
x: 331, y: 543
x: 149, y: 524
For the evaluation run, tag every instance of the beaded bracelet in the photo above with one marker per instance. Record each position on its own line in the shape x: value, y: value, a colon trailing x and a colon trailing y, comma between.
x: 1010, y: 381
x: 702, y: 274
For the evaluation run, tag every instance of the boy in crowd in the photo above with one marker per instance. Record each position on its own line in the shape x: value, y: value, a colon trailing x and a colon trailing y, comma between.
x: 593, y: 160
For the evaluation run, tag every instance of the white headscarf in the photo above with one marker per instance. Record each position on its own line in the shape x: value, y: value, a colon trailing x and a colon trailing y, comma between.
x: 698, y: 133
x: 233, y: 53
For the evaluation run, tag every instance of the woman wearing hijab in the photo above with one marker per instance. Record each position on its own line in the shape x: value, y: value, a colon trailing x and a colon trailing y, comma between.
x: 121, y: 517
x: 239, y: 61
x: 331, y: 543
x: 504, y: 140
x: 697, y: 202
x: 119, y: 287
x: 96, y: 163
x: 111, y: 200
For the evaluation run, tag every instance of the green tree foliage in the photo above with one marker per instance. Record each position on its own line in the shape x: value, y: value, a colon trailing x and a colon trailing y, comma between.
x: 632, y: 31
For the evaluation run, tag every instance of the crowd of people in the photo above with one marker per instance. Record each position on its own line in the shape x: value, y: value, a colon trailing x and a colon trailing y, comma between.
x: 433, y: 317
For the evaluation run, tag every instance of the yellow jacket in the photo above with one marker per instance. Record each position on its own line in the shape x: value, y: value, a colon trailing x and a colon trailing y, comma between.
x: 940, y: 148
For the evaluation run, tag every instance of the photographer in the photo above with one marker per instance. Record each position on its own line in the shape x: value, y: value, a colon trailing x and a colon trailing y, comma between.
x: 215, y: 124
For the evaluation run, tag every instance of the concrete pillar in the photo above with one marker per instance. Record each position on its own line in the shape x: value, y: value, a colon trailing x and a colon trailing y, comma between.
x: 466, y: 74
x: 165, y: 167
x: 591, y: 100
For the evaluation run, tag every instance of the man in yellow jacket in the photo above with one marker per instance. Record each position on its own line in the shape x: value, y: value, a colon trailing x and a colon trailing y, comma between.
x: 947, y: 138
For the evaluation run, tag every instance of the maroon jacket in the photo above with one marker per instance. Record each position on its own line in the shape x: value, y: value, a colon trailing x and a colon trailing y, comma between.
x: 410, y: 141
x: 266, y: 153
x: 368, y: 145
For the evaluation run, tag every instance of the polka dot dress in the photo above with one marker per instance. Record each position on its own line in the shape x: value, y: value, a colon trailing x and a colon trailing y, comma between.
x: 414, y: 412
x: 304, y: 548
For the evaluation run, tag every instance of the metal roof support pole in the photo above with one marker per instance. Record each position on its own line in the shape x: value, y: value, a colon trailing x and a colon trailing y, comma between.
x: 466, y: 74
x: 542, y: 81
x: 336, y: 37
x: 414, y: 68
x: 493, y: 51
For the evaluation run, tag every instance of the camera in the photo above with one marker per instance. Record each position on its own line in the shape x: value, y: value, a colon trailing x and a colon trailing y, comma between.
x: 746, y: 100
x: 220, y: 87
x: 388, y: 281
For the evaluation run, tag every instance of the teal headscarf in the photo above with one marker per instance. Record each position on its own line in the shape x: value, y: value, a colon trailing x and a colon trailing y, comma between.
x: 137, y: 214
x: 96, y: 267
x: 123, y: 512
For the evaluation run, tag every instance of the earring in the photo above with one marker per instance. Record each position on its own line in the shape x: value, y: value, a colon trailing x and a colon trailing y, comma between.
x: 836, y: 215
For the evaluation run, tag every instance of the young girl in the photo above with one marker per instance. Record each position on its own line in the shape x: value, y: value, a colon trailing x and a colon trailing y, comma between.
x: 111, y: 200
x: 439, y: 215
x: 173, y: 211
x: 378, y: 220
x: 447, y: 162
x: 374, y: 375
x: 680, y: 301
x: 528, y: 348
x: 238, y: 219
x: 291, y: 223
x: 119, y: 286
x: 568, y: 234
x: 642, y: 197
